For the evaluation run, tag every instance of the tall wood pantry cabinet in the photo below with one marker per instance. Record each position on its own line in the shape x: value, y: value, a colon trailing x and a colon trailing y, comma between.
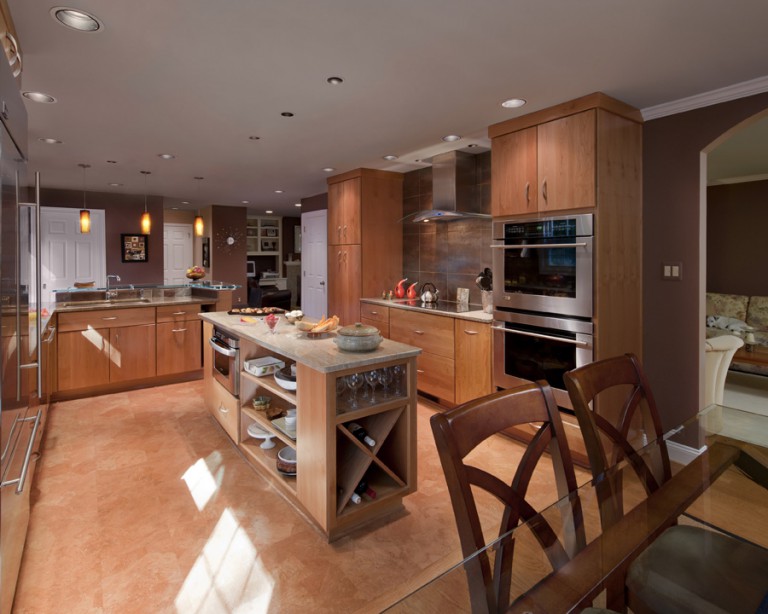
x: 365, y: 238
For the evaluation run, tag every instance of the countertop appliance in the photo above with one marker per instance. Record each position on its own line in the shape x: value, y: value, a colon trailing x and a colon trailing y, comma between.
x: 226, y: 360
x: 21, y: 409
x: 544, y: 265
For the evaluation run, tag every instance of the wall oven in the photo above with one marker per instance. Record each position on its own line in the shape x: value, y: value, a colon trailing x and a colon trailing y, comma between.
x: 544, y: 265
x: 226, y: 360
x: 530, y: 347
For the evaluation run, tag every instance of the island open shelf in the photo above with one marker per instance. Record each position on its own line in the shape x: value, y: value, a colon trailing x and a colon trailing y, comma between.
x: 331, y: 408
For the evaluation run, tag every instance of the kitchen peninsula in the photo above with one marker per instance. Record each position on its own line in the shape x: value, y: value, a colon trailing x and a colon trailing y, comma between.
x: 334, y: 462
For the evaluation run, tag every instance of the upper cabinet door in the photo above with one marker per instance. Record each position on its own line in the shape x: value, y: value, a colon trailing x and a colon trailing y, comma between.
x: 567, y: 162
x: 513, y: 168
x: 344, y: 204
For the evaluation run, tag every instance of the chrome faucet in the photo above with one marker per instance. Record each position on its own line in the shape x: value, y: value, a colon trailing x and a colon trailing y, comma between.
x: 112, y: 293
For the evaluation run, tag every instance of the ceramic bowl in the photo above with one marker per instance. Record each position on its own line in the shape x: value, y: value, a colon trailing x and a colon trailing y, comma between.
x: 286, y: 460
x: 358, y: 338
x: 285, y: 379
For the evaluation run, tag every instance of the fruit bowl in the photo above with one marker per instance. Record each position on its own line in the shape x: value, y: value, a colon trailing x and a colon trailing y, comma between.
x: 194, y: 273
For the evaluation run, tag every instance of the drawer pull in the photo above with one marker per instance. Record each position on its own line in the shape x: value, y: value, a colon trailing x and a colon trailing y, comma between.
x: 110, y: 318
x: 419, y: 332
x: 178, y: 330
x: 223, y: 410
x: 374, y: 313
x: 419, y: 370
x: 471, y: 332
x: 178, y: 313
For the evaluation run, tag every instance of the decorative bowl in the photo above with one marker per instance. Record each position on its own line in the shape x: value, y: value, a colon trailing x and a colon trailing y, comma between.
x: 195, y: 276
x: 305, y: 325
x: 286, y: 461
x: 285, y: 379
x: 294, y: 316
x: 358, y: 338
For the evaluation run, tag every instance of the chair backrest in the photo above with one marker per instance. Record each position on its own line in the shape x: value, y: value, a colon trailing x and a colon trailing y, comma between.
x: 617, y: 415
x: 459, y: 431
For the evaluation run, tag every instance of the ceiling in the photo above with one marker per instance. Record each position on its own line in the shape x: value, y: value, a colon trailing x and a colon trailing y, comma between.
x: 196, y: 79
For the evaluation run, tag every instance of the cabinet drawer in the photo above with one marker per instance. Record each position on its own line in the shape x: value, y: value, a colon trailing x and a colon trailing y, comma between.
x: 179, y: 346
x: 382, y: 326
x: 434, y: 375
x: 226, y: 410
x: 433, y: 334
x: 171, y: 313
x: 106, y: 318
x: 375, y: 312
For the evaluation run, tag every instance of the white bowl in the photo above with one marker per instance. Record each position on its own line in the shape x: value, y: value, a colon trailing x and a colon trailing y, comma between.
x: 285, y: 383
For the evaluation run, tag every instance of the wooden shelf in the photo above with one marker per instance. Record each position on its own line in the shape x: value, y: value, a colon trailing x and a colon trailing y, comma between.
x: 267, y: 425
x: 385, y: 489
x: 267, y: 460
x: 268, y: 383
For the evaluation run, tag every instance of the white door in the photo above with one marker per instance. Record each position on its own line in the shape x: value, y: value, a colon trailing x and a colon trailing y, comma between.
x: 314, y: 263
x: 68, y: 256
x: 177, y: 247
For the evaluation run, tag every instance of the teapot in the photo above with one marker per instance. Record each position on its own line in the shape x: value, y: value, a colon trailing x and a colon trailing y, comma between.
x: 411, y: 292
x: 427, y: 295
x: 400, y: 288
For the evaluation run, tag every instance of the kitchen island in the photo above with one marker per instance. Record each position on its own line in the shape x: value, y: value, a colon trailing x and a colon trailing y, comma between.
x: 333, y: 398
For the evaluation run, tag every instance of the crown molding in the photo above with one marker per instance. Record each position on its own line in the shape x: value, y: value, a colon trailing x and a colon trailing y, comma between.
x: 724, y: 94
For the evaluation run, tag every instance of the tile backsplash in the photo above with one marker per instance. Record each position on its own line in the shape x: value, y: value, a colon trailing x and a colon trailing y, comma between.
x: 448, y: 254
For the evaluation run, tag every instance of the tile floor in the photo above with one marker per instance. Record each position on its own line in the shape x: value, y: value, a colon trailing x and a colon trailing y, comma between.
x: 142, y: 504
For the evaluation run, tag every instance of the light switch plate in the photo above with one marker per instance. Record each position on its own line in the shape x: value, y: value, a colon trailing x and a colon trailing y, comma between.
x: 672, y: 271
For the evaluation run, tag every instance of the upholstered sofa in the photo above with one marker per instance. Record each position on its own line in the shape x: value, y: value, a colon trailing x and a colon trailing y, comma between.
x: 737, y: 314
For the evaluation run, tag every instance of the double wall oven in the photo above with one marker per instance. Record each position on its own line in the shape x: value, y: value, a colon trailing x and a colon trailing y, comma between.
x: 543, y: 273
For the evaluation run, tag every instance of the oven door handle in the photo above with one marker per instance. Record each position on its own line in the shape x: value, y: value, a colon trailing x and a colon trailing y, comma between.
x: 222, y: 349
x: 539, y: 246
x: 581, y: 344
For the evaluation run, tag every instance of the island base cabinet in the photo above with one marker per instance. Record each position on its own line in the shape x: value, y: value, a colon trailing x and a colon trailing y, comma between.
x: 225, y: 408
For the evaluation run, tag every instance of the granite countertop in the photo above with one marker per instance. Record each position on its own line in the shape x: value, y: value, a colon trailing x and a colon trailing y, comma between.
x: 319, y: 354
x: 131, y: 304
x: 441, y: 308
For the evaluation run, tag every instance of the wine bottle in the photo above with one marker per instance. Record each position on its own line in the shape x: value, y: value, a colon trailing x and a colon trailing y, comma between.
x: 360, y: 433
x: 361, y: 489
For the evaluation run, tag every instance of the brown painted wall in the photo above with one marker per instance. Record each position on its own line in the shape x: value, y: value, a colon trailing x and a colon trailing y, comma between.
x: 228, y: 261
x: 448, y: 254
x: 318, y: 202
x: 671, y: 220
x: 737, y: 216
x: 122, y: 216
x: 288, y: 243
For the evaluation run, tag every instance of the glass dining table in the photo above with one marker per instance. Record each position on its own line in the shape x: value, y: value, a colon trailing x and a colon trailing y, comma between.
x: 720, y: 481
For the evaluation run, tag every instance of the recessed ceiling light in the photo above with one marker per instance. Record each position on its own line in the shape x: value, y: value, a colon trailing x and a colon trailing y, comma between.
x: 75, y: 19
x: 166, y: 156
x: 199, y: 178
x: 245, y: 202
x: 297, y: 205
x: 335, y: 80
x: 328, y: 169
x: 38, y: 97
x: 254, y: 138
x: 175, y: 208
x: 390, y: 157
x: 451, y: 138
x: 51, y: 141
x: 513, y: 103
x: 286, y: 114
x: 115, y: 185
x: 278, y: 191
x: 269, y: 211
x: 184, y: 202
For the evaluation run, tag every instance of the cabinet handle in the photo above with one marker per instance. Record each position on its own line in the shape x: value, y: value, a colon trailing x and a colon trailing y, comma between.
x: 223, y: 410
x: 51, y: 335
x: 374, y: 313
x: 178, y: 313
x: 22, y: 479
x: 528, y: 191
x: 110, y: 318
x: 419, y: 370
x: 419, y: 332
x: 178, y: 330
x: 470, y: 332
x: 544, y: 189
x: 338, y: 232
x: 345, y: 231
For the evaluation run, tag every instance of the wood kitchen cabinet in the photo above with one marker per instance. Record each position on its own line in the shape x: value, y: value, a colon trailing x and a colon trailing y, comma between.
x: 558, y: 158
x: 179, y: 339
x: 473, y: 359
x: 365, y: 240
x: 376, y: 316
x: 105, y: 346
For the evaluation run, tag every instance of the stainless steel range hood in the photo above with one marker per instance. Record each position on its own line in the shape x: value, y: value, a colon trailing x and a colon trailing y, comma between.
x: 454, y: 190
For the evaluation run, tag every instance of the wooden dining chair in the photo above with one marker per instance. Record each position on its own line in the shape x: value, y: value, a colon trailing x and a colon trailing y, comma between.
x: 458, y: 432
x: 686, y: 569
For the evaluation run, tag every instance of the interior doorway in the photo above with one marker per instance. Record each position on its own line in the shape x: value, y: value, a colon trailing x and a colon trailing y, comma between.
x: 67, y: 255
x: 314, y: 263
x: 177, y: 253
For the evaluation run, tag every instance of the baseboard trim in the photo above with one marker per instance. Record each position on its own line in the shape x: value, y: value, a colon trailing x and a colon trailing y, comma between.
x: 678, y: 453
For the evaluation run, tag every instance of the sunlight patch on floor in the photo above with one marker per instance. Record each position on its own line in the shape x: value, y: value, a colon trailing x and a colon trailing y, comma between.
x: 228, y: 575
x: 201, y: 483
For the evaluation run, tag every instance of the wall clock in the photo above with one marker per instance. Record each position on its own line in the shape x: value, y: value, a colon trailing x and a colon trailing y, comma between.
x: 227, y: 239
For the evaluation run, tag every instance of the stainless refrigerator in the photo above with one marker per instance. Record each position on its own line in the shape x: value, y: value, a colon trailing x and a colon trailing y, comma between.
x: 22, y: 412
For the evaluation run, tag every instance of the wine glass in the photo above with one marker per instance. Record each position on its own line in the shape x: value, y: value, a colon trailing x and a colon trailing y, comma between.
x: 354, y: 382
x: 385, y: 377
x: 397, y: 375
x: 372, y: 378
x: 341, y: 388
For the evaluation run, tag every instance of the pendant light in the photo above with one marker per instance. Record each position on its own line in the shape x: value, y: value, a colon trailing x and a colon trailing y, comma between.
x: 85, y: 214
x: 146, y: 222
x: 199, y: 226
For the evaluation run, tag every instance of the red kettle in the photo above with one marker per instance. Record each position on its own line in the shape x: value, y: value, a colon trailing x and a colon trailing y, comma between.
x: 400, y: 288
x: 412, y: 293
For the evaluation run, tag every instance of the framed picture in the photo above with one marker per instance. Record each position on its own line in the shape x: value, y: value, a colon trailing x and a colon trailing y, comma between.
x: 206, y: 252
x: 135, y: 248
x: 268, y: 245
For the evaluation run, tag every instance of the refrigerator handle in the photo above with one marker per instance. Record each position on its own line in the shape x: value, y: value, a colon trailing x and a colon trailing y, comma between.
x: 39, y: 287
